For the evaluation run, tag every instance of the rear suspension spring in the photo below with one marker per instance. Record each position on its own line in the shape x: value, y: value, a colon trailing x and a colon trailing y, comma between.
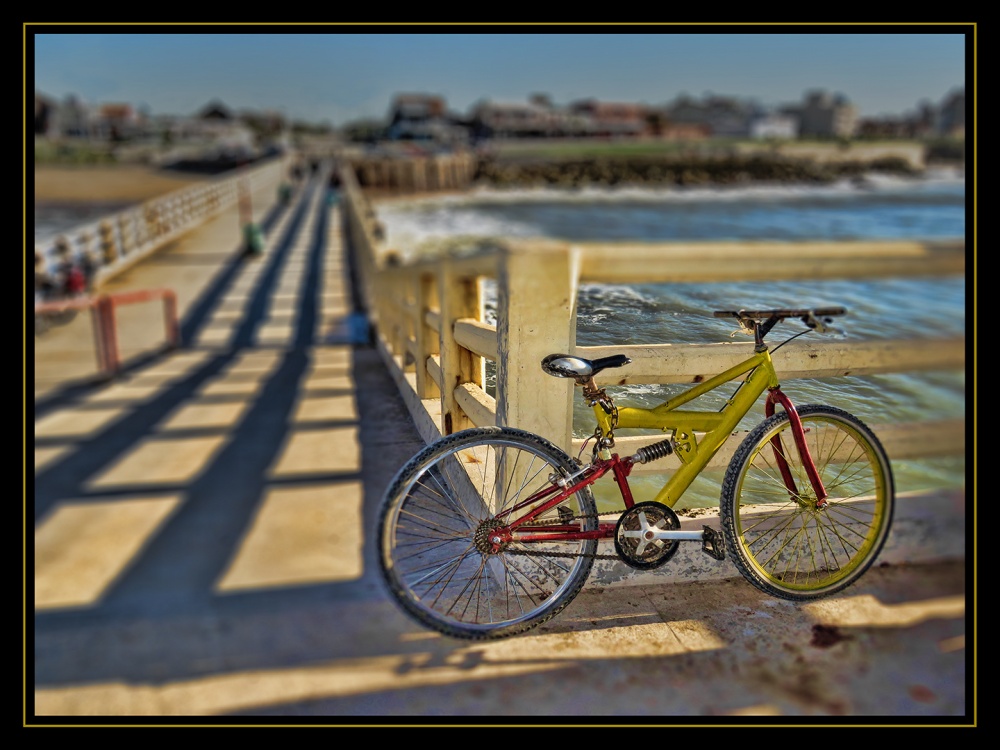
x: 652, y: 452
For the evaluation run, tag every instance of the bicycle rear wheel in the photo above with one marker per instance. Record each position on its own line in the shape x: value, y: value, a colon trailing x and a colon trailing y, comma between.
x: 439, y: 522
x: 780, y: 541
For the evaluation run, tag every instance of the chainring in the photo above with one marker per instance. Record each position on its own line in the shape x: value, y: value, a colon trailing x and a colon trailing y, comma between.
x: 632, y: 542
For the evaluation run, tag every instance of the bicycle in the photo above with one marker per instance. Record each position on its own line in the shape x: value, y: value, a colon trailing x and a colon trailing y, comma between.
x: 56, y: 310
x: 60, y: 296
x: 491, y: 531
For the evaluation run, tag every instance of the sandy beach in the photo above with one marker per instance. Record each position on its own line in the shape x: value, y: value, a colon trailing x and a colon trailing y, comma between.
x: 107, y: 184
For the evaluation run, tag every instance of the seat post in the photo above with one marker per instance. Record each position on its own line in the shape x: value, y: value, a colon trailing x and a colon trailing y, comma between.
x: 590, y: 389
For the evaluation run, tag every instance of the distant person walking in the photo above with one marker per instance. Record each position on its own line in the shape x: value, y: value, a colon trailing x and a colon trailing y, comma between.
x: 71, y: 278
x: 335, y: 184
x: 89, y: 264
x: 45, y: 281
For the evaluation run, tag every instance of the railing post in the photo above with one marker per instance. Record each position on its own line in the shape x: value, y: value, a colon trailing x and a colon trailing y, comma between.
x: 397, y: 303
x: 109, y: 327
x: 97, y: 320
x: 109, y: 249
x: 536, y: 315
x: 173, y: 329
x: 386, y: 307
x: 459, y: 298
x: 427, y: 340
x: 124, y: 232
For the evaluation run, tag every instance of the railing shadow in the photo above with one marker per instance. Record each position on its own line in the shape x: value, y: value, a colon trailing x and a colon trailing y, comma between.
x: 194, y: 320
x: 162, y: 618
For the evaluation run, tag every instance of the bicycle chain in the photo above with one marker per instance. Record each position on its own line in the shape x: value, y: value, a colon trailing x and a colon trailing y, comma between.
x: 537, y: 522
x: 529, y: 553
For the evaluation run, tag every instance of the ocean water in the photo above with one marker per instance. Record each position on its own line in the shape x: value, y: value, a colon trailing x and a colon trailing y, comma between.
x: 931, y: 207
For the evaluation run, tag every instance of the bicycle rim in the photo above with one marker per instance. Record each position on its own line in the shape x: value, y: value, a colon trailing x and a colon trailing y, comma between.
x: 437, y: 528
x: 784, y: 544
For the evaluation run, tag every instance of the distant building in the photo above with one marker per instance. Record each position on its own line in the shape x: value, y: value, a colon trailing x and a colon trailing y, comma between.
x: 214, y: 132
x: 74, y: 118
x: 951, y: 115
x: 517, y: 120
x: 723, y: 116
x: 916, y: 124
x: 215, y: 110
x: 115, y: 122
x: 774, y: 125
x: 422, y: 117
x: 825, y: 115
x: 613, y: 119
x: 922, y: 122
x: 45, y: 114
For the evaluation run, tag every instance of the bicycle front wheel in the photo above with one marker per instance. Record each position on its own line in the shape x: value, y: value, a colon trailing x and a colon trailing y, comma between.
x: 778, y: 537
x: 444, y: 550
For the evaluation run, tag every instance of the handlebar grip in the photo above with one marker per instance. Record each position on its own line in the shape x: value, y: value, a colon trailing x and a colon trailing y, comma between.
x: 829, y: 311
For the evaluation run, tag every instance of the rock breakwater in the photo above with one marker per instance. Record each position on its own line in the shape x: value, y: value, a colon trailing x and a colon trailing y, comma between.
x: 726, y: 170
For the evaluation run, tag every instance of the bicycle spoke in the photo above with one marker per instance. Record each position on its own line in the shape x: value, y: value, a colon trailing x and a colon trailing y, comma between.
x: 445, y: 550
x: 433, y: 527
x: 790, y: 546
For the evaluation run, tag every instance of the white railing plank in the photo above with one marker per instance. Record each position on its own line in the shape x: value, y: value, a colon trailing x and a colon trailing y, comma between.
x: 689, y: 363
x: 479, y: 338
x: 477, y: 404
x: 758, y: 260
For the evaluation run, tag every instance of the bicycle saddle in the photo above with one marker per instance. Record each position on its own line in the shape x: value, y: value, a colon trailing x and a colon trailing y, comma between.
x: 578, y: 368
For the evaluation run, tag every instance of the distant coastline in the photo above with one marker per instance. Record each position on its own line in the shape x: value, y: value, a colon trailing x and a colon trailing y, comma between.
x: 579, y: 164
x: 67, y: 196
x: 61, y: 187
x: 107, y: 184
x: 687, y: 170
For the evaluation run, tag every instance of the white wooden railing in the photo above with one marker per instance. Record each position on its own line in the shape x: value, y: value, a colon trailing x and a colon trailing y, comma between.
x: 120, y: 239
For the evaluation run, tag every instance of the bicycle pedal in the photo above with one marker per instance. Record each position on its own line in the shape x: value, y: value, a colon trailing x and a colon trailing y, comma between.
x: 713, y: 543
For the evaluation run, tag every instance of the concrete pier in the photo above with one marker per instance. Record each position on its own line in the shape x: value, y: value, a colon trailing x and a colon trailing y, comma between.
x: 202, y: 545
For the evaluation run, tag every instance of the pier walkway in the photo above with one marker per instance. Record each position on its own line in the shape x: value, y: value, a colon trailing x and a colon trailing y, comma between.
x: 202, y: 544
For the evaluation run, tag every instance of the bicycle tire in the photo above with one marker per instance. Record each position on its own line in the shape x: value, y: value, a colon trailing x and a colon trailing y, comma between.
x: 427, y: 535
x: 783, y: 544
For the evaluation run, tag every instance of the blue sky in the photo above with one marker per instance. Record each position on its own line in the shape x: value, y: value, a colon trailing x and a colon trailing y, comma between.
x: 337, y: 77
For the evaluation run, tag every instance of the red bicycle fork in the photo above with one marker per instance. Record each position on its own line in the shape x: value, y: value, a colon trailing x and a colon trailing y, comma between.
x: 798, y: 434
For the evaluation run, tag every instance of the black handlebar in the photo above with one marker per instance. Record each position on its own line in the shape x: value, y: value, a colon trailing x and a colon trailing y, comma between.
x: 760, y: 322
x: 780, y: 314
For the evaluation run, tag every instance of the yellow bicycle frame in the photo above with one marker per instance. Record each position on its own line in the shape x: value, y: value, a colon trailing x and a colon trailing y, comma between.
x: 715, y: 426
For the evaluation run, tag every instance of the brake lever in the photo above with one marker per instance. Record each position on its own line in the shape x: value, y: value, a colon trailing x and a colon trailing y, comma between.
x: 820, y: 325
x: 746, y: 327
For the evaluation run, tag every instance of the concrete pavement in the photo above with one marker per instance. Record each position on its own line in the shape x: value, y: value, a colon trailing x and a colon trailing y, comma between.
x: 202, y: 545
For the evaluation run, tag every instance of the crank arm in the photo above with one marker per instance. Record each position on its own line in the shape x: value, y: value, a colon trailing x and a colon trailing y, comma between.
x: 676, y: 534
x: 712, y: 542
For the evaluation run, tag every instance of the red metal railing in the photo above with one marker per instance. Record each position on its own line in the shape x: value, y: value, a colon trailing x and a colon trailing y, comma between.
x: 103, y: 309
